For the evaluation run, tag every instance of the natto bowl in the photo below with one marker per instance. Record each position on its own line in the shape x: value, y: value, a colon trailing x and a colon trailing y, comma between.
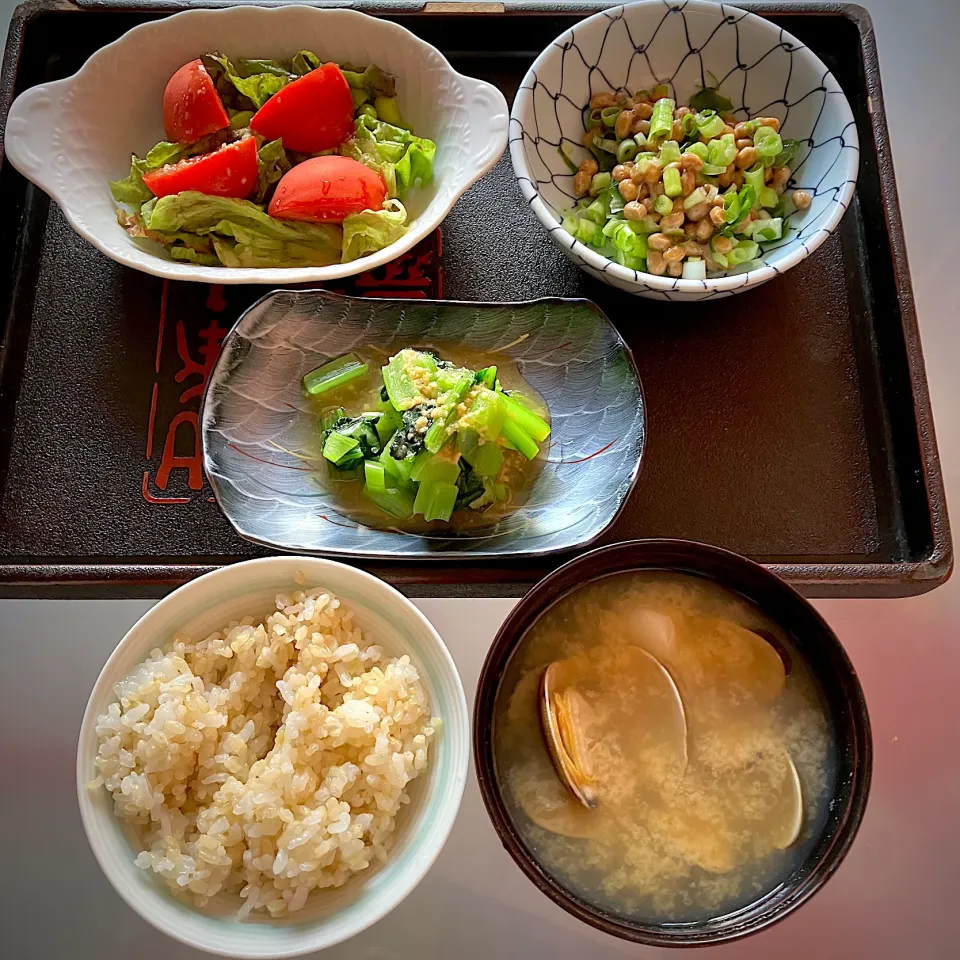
x: 757, y: 65
x: 815, y: 642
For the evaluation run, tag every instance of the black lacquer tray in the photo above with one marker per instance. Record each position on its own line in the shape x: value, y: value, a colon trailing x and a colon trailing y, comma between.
x: 791, y: 423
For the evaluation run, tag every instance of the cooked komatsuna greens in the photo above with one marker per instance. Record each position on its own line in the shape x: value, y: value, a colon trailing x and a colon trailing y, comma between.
x: 430, y: 440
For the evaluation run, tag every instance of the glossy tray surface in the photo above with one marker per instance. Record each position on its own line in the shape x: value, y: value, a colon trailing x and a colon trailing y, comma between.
x: 790, y: 423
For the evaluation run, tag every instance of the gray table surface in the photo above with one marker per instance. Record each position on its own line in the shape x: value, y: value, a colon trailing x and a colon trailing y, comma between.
x: 893, y: 898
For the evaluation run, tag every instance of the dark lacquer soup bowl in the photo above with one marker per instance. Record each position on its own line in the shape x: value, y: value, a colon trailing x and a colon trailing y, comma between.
x: 824, y: 838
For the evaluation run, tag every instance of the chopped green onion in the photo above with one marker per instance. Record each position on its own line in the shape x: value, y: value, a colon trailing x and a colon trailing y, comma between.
x: 661, y: 122
x: 598, y: 210
x: 709, y: 124
x: 688, y: 124
x: 694, y: 268
x: 594, y: 121
x: 630, y: 247
x: 769, y: 198
x: 627, y: 150
x: 661, y: 91
x: 754, y: 177
x: 698, y: 196
x: 571, y: 166
x: 720, y: 259
x: 375, y: 476
x: 570, y: 224
x: 713, y: 170
x: 643, y: 95
x: 333, y: 374
x: 722, y: 150
x: 663, y: 205
x: 395, y: 501
x: 766, y: 230
x: 671, y: 182
x: 669, y: 152
x: 698, y: 148
x: 337, y: 448
x: 736, y: 206
x: 752, y: 126
x: 607, y: 146
x: 767, y: 143
x: 609, y: 116
x: 743, y: 252
x: 613, y: 199
x: 514, y: 434
x: 589, y: 232
x: 599, y: 182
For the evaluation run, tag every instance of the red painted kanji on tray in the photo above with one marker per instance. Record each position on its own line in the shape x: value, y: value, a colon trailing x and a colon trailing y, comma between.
x: 192, y: 324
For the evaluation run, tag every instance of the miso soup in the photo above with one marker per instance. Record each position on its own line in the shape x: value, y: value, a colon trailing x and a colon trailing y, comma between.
x: 693, y: 729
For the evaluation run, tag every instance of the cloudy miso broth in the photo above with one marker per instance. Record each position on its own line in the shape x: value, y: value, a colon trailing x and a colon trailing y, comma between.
x: 517, y: 475
x: 692, y: 723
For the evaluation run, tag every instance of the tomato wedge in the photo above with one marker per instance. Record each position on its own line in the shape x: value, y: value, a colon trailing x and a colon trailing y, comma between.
x: 192, y: 108
x: 325, y: 189
x: 230, y: 171
x: 313, y: 113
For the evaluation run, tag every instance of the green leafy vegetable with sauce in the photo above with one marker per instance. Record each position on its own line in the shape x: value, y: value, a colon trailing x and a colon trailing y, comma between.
x: 437, y: 444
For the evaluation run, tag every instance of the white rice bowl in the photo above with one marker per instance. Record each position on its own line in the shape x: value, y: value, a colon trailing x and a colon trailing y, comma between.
x: 276, y: 778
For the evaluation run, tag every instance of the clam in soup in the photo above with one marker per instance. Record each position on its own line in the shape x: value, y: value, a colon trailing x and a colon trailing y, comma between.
x: 663, y: 748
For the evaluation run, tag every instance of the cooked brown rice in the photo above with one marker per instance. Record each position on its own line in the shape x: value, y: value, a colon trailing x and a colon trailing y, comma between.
x: 269, y: 759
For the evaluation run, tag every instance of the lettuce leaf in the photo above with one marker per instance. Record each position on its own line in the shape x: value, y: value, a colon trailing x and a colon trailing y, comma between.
x: 414, y: 166
x: 373, y: 230
x: 131, y: 189
x: 243, y: 234
x: 369, y: 83
x: 189, y: 255
x: 304, y: 62
x: 255, y: 88
x: 247, y: 83
x: 273, y: 163
x: 368, y: 153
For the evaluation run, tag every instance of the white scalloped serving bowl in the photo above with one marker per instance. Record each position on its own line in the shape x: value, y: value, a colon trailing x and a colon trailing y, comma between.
x: 71, y: 136
x: 333, y: 915
x: 761, y: 68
